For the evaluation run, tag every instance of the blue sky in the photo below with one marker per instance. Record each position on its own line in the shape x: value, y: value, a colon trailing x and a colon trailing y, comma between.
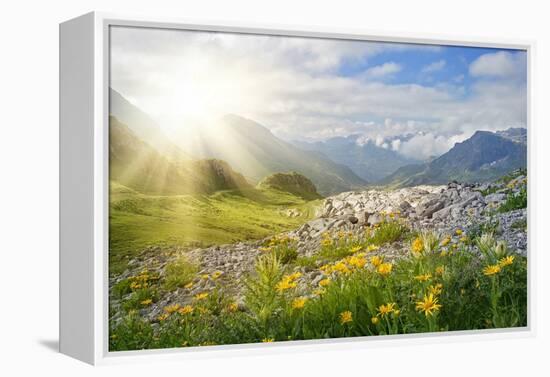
x: 427, y: 65
x: 313, y: 89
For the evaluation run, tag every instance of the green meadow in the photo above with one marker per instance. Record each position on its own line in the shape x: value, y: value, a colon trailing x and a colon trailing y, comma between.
x: 138, y: 221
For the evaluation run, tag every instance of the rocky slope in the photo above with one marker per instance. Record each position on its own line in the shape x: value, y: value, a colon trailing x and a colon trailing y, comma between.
x: 443, y: 209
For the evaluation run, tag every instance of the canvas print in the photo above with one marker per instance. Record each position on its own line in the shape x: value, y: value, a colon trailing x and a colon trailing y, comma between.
x: 277, y: 188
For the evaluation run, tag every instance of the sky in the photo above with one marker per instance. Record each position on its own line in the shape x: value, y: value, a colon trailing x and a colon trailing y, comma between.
x: 313, y: 89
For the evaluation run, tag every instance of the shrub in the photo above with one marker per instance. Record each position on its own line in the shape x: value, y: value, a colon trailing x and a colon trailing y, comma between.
x: 387, y: 232
x: 515, y: 201
x: 179, y: 273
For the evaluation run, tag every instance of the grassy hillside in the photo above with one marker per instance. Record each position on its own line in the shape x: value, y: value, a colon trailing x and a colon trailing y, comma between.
x: 138, y: 220
x: 254, y: 151
x: 293, y: 183
x: 136, y: 164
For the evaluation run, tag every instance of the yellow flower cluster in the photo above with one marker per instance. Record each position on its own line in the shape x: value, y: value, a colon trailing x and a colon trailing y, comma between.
x: 435, y: 289
x: 417, y: 246
x: 142, y: 280
x: 376, y: 260
x: 424, y: 277
x: 496, y: 268
x: 288, y: 282
x: 187, y: 309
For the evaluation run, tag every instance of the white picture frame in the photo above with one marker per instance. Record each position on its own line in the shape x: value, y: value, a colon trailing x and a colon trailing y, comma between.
x: 84, y: 74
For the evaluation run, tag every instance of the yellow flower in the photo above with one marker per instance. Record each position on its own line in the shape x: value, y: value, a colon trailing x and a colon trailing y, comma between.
x: 146, y: 302
x: 216, y: 274
x: 384, y: 310
x: 429, y: 305
x: 299, y: 303
x: 346, y: 317
x: 372, y: 248
x: 424, y: 277
x: 355, y: 249
x: 384, y: 269
x: 463, y: 239
x: 187, y: 309
x: 325, y: 282
x: 171, y: 308
x: 417, y: 246
x: 232, y: 307
x: 135, y: 285
x: 295, y: 276
x: 436, y: 289
x: 201, y: 296
x: 374, y: 320
x: 268, y: 340
x: 204, y: 276
x: 188, y: 285
x: 356, y: 262
x: 396, y: 313
x: 326, y: 242
x: 445, y: 241
x: 376, y: 260
x: 286, y: 283
x: 459, y: 232
x: 491, y: 270
x: 440, y: 270
x: 163, y: 316
x: 341, y: 267
x: 506, y: 261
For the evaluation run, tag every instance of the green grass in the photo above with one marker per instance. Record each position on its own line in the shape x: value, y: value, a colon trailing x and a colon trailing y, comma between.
x: 359, y: 300
x: 137, y: 221
x: 179, y: 273
x: 514, y: 201
x: 520, y: 224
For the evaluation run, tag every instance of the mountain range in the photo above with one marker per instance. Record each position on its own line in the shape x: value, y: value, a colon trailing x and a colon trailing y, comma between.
x: 483, y: 157
x: 369, y: 161
x: 238, y: 152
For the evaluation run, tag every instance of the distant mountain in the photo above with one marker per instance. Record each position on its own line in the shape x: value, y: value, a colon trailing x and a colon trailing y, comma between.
x: 515, y: 134
x: 367, y: 160
x: 137, y: 165
x: 293, y: 183
x: 253, y: 150
x: 483, y: 157
x: 143, y: 126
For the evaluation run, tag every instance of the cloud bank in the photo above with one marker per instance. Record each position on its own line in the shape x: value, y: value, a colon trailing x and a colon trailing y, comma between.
x: 314, y: 89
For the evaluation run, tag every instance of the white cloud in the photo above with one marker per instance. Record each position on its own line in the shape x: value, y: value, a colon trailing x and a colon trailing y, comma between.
x: 395, y: 144
x: 499, y: 64
x: 382, y: 70
x: 292, y: 86
x: 434, y: 67
x: 421, y: 147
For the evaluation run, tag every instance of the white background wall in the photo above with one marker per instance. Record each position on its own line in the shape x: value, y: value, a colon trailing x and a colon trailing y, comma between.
x: 29, y: 188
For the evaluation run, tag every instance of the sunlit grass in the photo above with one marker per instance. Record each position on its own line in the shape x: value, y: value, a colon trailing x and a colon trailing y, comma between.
x: 138, y: 221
